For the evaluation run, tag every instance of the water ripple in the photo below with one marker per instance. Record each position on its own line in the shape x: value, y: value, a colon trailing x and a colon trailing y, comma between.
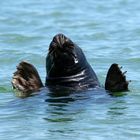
x: 107, y: 31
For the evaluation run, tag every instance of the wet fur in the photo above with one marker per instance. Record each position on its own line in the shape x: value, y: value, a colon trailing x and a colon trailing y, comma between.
x: 26, y: 79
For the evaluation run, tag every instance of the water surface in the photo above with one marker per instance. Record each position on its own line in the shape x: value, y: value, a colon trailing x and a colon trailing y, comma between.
x: 107, y: 31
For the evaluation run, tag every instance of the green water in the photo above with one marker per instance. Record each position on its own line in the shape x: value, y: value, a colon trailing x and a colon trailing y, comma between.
x: 107, y: 31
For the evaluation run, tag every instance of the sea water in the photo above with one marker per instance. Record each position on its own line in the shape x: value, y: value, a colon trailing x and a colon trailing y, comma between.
x: 108, y: 32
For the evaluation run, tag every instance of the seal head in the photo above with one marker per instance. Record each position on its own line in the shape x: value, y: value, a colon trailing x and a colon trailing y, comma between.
x: 66, y: 64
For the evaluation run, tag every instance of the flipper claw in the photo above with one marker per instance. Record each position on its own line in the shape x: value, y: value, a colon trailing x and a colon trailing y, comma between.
x: 121, y: 67
x: 124, y: 72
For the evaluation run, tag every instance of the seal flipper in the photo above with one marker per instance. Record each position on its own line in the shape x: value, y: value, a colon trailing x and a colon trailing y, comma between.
x: 26, y: 79
x: 116, y: 80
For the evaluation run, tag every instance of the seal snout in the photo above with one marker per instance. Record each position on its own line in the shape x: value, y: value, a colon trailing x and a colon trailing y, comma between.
x: 60, y: 41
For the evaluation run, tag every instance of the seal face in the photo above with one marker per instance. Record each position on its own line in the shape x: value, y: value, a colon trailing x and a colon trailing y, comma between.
x: 66, y: 65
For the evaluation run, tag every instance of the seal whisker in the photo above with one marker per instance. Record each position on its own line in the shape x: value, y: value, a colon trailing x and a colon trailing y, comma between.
x: 124, y: 72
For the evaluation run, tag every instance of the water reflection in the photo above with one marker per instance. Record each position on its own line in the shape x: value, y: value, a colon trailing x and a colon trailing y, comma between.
x: 66, y: 113
x: 65, y: 104
x: 60, y: 95
x: 118, y: 108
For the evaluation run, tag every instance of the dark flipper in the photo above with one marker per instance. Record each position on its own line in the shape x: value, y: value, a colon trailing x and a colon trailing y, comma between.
x: 116, y: 80
x: 26, y: 79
